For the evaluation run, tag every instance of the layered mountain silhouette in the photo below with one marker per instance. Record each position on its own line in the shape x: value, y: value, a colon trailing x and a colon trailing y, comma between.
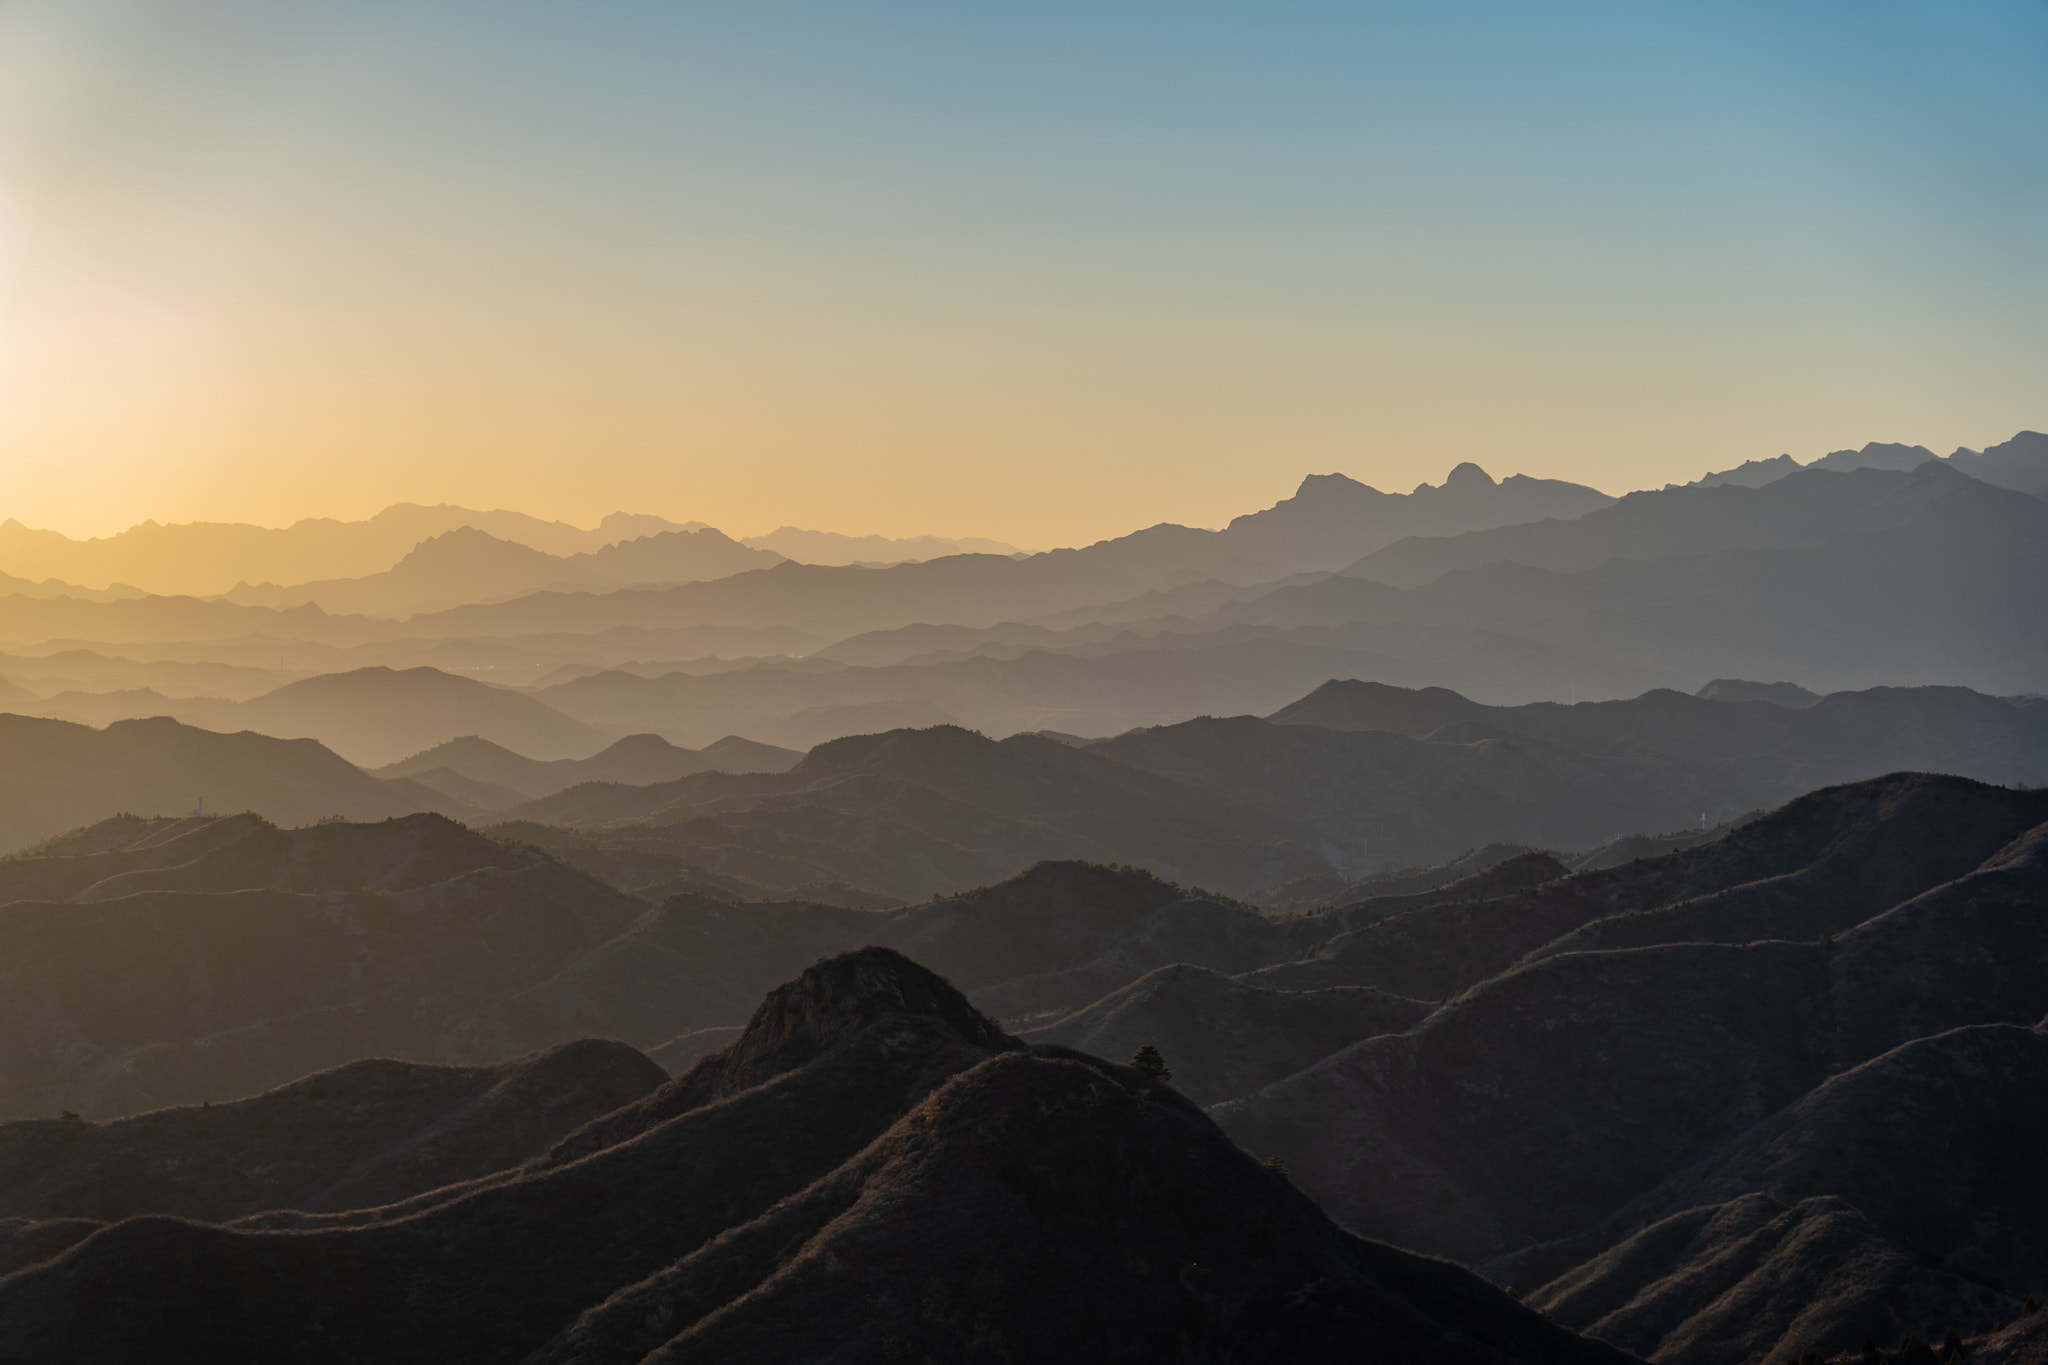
x: 61, y: 775
x: 468, y: 565
x: 637, y: 760
x: 1354, y: 779
x: 949, y: 1194
x: 1636, y: 902
x: 364, y: 1134
x: 831, y: 547
x: 155, y: 963
x: 1835, y: 580
x: 207, y: 557
x: 1350, y: 782
x: 1759, y: 1096
x: 1329, y: 522
x: 374, y: 716
x: 2021, y: 463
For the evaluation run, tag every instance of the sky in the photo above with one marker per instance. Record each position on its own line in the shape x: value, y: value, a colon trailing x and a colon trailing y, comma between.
x: 1039, y: 272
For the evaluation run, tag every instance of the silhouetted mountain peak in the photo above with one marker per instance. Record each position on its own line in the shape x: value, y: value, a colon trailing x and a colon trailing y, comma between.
x: 1067, y: 881
x: 1358, y: 704
x: 934, y: 744
x: 832, y: 1002
x: 1467, y: 477
x: 639, y: 746
x: 845, y: 993
x: 467, y: 548
x: 1331, y: 487
x: 1777, y: 693
x: 1876, y: 455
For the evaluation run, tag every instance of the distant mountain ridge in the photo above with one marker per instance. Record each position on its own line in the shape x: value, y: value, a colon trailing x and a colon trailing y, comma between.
x: 1355, y: 778
x: 62, y: 775
x: 636, y: 760
x: 1332, y: 519
x: 831, y: 547
x: 206, y: 557
x: 2020, y: 463
x: 467, y: 565
x: 1838, y: 580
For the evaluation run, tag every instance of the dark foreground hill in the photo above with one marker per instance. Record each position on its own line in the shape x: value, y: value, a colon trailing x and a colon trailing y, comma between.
x: 871, y: 1172
x: 1767, y: 1095
x: 203, y: 960
x: 368, y: 1133
x: 149, y: 963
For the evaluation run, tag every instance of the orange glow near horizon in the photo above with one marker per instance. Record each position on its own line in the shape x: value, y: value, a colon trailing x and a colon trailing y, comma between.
x: 262, y: 265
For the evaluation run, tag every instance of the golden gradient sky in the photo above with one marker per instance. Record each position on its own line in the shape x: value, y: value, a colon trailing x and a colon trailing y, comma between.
x: 1041, y: 276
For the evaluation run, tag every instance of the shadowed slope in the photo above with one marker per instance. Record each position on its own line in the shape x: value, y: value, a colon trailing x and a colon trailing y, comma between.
x: 1937, y: 1138
x: 1224, y: 1038
x: 1540, y: 1100
x: 246, y: 852
x: 488, y: 1271
x: 1755, y: 1280
x: 1819, y: 865
x: 63, y: 775
x: 1052, y: 1206
x: 1583, y: 1093
x: 172, y: 990
x: 805, y: 1192
x: 360, y: 1135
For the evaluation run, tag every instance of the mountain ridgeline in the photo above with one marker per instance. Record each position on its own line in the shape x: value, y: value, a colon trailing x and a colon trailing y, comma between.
x: 1623, y: 1092
x: 944, y: 1187
x: 1509, y: 593
x: 1540, y: 926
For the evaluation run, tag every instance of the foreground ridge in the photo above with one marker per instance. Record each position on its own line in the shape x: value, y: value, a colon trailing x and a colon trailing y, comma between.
x: 872, y: 1171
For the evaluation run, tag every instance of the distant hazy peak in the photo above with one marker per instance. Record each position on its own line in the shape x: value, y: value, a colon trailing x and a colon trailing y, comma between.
x: 620, y: 526
x: 2020, y: 464
x: 834, y: 548
x: 1876, y: 455
x: 1335, y: 485
x: 1777, y: 693
x: 1332, y: 520
x: 466, y: 542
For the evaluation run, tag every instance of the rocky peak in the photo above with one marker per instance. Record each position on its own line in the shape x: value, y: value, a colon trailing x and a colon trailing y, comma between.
x: 840, y: 995
x: 831, y: 1002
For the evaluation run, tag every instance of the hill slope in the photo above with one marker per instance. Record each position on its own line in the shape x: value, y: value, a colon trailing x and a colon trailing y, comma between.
x: 1040, y: 1203
x: 62, y: 775
x: 367, y: 1133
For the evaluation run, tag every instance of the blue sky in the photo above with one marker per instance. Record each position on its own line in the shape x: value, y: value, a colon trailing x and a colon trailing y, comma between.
x: 1041, y: 272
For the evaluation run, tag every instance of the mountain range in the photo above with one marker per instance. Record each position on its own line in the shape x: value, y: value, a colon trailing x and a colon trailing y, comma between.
x: 1353, y: 779
x: 946, y: 1186
x: 2020, y: 463
x: 468, y: 565
x: 1837, y: 580
x: 1761, y: 1098
x: 635, y: 761
x: 1540, y: 926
